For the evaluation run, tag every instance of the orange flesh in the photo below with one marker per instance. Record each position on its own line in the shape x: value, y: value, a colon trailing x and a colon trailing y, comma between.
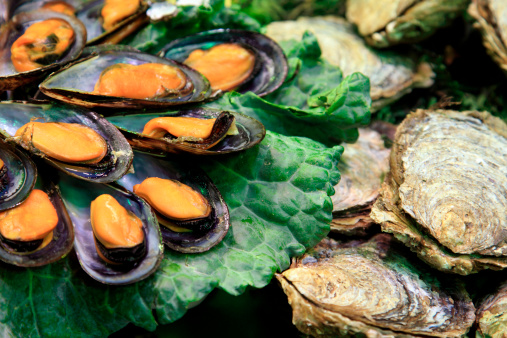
x: 179, y: 126
x: 1, y: 164
x: 60, y: 7
x: 149, y: 80
x: 113, y: 225
x: 38, y: 42
x: 34, y: 219
x: 173, y: 199
x: 226, y: 65
x: 115, y: 11
x: 68, y: 142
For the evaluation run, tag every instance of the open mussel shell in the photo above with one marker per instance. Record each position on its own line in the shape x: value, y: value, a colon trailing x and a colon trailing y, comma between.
x: 113, y: 166
x: 74, y: 84
x: 17, y: 177
x: 271, y: 62
x: 78, y: 196
x: 63, y: 234
x: 187, y: 242
x: 12, y: 30
x: 251, y: 132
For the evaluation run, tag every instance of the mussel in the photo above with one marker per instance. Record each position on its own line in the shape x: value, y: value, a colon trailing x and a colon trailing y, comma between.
x: 115, y: 162
x: 119, y: 67
x: 186, y: 234
x: 232, y: 59
x: 42, y: 52
x: 249, y: 132
x: 106, y: 260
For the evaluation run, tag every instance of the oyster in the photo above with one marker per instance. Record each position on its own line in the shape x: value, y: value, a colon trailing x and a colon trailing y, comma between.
x: 363, y: 166
x: 371, y: 288
x: 76, y: 83
x: 492, y: 314
x: 111, y: 167
x: 17, y: 176
x: 446, y: 194
x: 391, y: 75
x: 212, y: 230
x: 78, y: 196
x: 490, y: 16
x: 10, y: 78
x: 250, y: 133
x: 257, y: 62
x: 387, y: 23
x: 55, y: 246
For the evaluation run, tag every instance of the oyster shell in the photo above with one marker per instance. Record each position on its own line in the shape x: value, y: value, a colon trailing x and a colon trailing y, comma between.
x: 78, y: 195
x: 271, y: 64
x: 63, y: 235
x: 113, y: 166
x: 17, y: 177
x: 491, y: 20
x: 10, y: 78
x: 391, y: 75
x: 75, y: 83
x: 491, y: 315
x: 363, y: 166
x: 387, y: 23
x: 251, y: 132
x: 446, y: 196
x: 371, y: 288
x: 187, y: 242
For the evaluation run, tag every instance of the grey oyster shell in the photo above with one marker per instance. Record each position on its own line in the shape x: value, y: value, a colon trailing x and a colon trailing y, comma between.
x: 391, y: 75
x: 446, y: 195
x: 385, y: 23
x: 372, y: 289
x: 491, y: 316
x: 363, y: 167
x: 491, y: 20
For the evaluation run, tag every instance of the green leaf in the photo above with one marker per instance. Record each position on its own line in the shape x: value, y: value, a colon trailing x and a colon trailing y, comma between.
x: 278, y: 197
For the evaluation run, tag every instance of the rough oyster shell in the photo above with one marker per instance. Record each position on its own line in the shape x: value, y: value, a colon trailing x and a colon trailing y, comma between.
x: 446, y: 196
x: 370, y: 288
x: 363, y: 167
x: 391, y: 75
x: 9, y: 77
x: 491, y: 316
x: 385, y: 23
x: 251, y: 132
x: 491, y: 16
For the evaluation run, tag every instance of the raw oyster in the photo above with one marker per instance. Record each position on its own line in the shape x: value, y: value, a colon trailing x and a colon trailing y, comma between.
x: 62, y: 238
x: 446, y: 194
x: 78, y: 196
x: 270, y: 67
x: 188, y: 242
x: 391, y: 75
x: 119, y: 154
x: 12, y: 30
x: 17, y: 176
x: 371, y: 288
x: 363, y: 166
x: 491, y: 20
x: 387, y: 23
x: 250, y: 133
x: 492, y: 314
x: 75, y: 83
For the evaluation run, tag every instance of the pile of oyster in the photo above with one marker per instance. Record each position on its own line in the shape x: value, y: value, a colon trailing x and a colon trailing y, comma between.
x: 117, y: 197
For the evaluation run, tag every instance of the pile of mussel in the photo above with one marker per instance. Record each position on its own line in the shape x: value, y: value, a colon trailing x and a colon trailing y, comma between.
x: 117, y: 196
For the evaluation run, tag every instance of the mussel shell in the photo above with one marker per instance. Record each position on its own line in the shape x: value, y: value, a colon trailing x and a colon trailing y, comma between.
x: 63, y: 234
x: 271, y: 59
x: 187, y: 242
x: 251, y: 132
x: 12, y: 30
x: 74, y: 84
x: 114, y: 165
x: 78, y: 196
x: 19, y: 177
